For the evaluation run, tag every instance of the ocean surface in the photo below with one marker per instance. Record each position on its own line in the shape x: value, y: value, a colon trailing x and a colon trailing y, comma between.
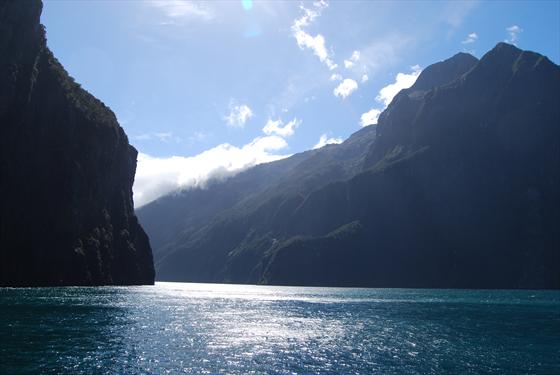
x: 174, y: 328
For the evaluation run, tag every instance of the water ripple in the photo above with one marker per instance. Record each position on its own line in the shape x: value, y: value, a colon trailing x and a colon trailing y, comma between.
x: 175, y: 328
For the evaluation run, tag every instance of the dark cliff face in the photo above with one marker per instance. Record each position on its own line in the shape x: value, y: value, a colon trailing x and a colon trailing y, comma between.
x: 459, y: 187
x: 66, y: 171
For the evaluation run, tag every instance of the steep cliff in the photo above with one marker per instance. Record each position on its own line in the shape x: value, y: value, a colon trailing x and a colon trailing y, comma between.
x: 66, y: 171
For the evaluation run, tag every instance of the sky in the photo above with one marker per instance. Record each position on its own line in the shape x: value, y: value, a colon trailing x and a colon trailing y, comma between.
x: 207, y: 89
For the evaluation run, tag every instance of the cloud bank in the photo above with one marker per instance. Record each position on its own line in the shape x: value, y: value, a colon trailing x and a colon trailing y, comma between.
x: 159, y: 176
x: 156, y: 177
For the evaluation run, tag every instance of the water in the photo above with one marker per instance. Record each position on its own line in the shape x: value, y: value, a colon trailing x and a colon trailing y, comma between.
x: 174, y: 328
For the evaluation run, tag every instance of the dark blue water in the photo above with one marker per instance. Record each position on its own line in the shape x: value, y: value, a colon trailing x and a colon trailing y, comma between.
x: 174, y: 328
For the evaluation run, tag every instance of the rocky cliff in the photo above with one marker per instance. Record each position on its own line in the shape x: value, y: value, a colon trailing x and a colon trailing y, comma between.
x: 66, y: 171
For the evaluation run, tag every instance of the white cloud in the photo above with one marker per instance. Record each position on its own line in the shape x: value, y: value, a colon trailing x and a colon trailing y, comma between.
x: 238, y: 115
x: 275, y: 127
x: 182, y: 9
x: 156, y: 177
x: 387, y: 93
x: 471, y: 38
x: 353, y: 59
x: 365, y: 78
x: 315, y: 43
x: 336, y: 77
x: 370, y: 117
x: 402, y: 81
x: 163, y: 137
x: 348, y: 64
x: 345, y: 88
x: 325, y: 140
x: 513, y: 32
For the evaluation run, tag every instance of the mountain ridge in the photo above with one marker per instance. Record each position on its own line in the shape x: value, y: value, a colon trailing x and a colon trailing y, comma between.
x: 445, y: 195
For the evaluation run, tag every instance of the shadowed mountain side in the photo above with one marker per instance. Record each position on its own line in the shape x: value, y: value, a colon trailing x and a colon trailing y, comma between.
x: 459, y: 188
x: 177, y: 216
x: 66, y: 171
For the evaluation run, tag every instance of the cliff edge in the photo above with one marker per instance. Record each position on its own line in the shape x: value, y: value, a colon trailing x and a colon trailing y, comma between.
x: 66, y: 171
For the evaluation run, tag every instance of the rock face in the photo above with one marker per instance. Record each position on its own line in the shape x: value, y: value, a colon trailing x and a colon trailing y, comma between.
x: 66, y: 171
x: 458, y: 186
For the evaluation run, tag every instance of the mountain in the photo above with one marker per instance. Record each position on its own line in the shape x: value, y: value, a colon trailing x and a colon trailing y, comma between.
x: 283, y: 183
x: 458, y: 186
x: 66, y: 171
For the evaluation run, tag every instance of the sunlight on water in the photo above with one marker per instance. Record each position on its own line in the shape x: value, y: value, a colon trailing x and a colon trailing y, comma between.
x: 213, y: 328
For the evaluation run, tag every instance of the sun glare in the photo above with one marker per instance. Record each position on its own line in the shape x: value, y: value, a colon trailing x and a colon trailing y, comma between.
x: 247, y: 4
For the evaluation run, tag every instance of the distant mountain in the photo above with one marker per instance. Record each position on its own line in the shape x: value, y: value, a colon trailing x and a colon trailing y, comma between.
x: 283, y: 183
x: 457, y: 186
x: 66, y: 171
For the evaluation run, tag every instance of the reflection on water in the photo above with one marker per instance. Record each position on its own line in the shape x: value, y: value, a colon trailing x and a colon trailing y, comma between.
x: 209, y: 328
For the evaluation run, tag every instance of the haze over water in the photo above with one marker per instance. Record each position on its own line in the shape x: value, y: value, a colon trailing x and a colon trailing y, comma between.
x: 173, y: 328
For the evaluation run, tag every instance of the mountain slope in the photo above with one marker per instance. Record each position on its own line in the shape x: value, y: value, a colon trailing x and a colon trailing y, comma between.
x: 459, y: 188
x: 179, y: 216
x: 66, y: 171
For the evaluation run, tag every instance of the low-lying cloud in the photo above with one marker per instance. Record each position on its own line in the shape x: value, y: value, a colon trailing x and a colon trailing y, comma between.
x: 387, y: 93
x: 156, y: 177
x: 402, y: 81
x: 370, y: 117
x: 325, y: 140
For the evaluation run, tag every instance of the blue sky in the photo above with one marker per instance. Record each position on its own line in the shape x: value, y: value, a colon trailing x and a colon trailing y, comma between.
x: 210, y: 88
